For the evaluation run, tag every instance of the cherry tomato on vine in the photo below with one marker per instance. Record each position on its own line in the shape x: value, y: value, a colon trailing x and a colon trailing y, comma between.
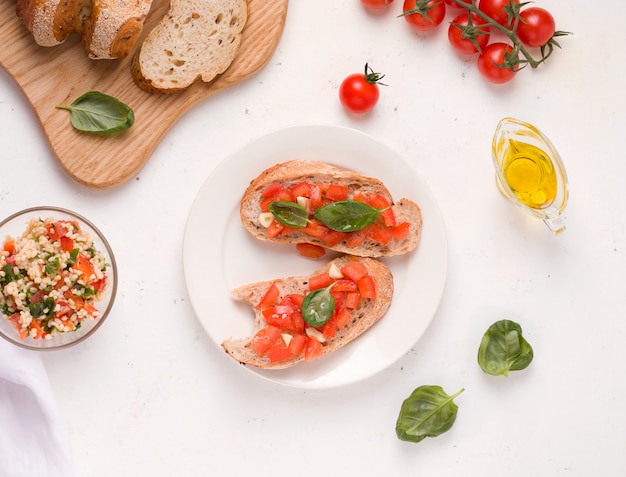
x: 468, y: 39
x: 496, y: 10
x: 536, y: 26
x: 376, y: 4
x: 493, y: 61
x: 424, y: 15
x: 359, y: 92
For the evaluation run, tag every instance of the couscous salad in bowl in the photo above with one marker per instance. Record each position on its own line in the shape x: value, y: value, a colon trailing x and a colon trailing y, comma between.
x: 58, y: 278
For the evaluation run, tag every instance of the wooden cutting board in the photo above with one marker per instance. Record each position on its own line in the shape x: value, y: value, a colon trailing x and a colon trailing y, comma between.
x: 58, y: 75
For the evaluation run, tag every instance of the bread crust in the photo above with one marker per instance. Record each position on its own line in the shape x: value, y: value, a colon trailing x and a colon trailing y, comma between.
x: 315, y: 172
x: 195, y: 40
x: 364, y: 317
x: 52, y: 21
x: 113, y: 27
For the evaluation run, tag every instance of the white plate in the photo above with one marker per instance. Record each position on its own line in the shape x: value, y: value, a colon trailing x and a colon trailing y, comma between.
x: 220, y: 255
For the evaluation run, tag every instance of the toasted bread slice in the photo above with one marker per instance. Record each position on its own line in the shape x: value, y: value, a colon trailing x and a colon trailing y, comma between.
x: 294, y: 172
x: 363, y: 318
x: 197, y: 39
x: 52, y: 21
x: 113, y: 27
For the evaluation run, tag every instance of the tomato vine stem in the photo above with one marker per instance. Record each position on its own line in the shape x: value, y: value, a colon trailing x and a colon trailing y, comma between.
x: 511, y: 34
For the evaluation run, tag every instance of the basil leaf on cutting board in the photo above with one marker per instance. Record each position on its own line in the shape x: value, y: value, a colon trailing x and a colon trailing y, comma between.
x: 100, y: 113
x: 503, y: 349
x: 290, y: 214
x: 347, y: 215
x: 428, y: 412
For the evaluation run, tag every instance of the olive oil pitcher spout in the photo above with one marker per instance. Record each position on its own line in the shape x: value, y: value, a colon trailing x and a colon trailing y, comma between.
x: 529, y: 171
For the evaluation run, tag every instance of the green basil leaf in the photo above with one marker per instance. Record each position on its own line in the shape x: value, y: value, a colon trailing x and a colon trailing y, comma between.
x: 318, y: 306
x: 427, y: 412
x: 347, y: 215
x: 290, y: 214
x: 503, y: 349
x: 97, y: 112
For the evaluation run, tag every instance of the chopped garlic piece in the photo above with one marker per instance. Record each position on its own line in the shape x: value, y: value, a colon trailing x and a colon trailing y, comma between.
x: 287, y: 338
x: 335, y: 272
x: 315, y: 333
x: 266, y: 218
x: 303, y: 202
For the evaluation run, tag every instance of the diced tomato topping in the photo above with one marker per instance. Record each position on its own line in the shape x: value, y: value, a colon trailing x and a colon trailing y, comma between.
x: 298, y: 322
x: 297, y: 343
x: 355, y: 239
x: 378, y: 201
x: 315, y: 198
x: 367, y: 287
x: 310, y: 250
x: 338, y: 296
x: 378, y: 233
x: 67, y: 244
x: 265, y: 203
x: 344, y: 285
x: 354, y: 270
x: 302, y: 189
x: 99, y: 285
x: 39, y: 332
x: 313, y: 349
x: 400, y: 231
x: 279, y: 352
x: 320, y: 281
x: 83, y: 265
x: 329, y: 329
x: 314, y: 228
x: 9, y: 246
x: 389, y: 218
x: 271, y: 190
x: 264, y: 339
x: 279, y: 316
x: 342, y: 317
x: 285, y: 195
x: 275, y: 229
x: 352, y: 300
x: 270, y: 297
x: 293, y: 299
x: 336, y: 192
x: 333, y: 237
x: 360, y: 197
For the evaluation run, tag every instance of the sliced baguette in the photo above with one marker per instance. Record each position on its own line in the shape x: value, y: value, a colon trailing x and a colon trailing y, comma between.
x: 113, y: 27
x: 363, y: 318
x: 197, y: 39
x: 292, y: 172
x: 52, y: 21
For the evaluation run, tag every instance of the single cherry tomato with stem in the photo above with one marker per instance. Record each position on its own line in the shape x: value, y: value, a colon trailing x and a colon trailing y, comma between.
x: 497, y: 63
x: 502, y: 11
x: 424, y: 15
x: 536, y: 27
x: 376, y: 4
x: 359, y: 92
x: 468, y: 34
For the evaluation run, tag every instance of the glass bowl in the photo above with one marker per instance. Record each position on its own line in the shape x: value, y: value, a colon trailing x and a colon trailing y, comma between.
x: 15, y: 226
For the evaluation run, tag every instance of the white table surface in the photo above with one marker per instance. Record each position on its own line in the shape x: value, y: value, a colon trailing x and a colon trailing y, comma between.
x: 151, y: 394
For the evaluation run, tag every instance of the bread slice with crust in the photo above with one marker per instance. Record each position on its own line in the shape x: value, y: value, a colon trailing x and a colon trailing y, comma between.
x: 197, y: 39
x: 294, y: 172
x: 363, y: 318
x: 52, y: 21
x: 113, y: 27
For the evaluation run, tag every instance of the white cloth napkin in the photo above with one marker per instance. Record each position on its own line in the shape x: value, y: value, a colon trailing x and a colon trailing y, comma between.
x: 33, y: 436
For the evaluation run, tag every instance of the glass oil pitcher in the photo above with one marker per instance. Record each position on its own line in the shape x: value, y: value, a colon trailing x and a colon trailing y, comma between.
x: 529, y: 171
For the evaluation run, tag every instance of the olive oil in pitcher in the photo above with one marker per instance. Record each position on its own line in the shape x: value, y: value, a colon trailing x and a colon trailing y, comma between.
x: 529, y: 171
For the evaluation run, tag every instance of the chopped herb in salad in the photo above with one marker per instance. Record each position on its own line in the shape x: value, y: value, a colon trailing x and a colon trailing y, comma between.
x: 50, y: 278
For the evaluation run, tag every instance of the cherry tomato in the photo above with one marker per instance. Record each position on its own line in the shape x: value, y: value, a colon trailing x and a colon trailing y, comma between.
x: 453, y: 4
x: 492, y: 61
x: 536, y: 26
x: 460, y: 34
x: 424, y: 15
x: 376, y: 4
x: 359, y: 93
x: 496, y: 10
